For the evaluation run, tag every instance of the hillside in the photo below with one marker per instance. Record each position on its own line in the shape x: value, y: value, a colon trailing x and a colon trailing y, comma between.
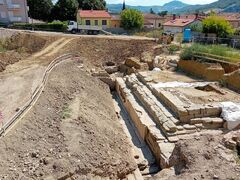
x: 223, y: 5
x: 170, y: 7
x: 180, y: 7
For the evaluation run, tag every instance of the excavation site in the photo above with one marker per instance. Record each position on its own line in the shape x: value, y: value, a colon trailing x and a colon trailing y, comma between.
x: 114, y: 107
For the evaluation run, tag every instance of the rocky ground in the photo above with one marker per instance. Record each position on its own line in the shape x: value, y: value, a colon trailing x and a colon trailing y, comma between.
x: 72, y: 131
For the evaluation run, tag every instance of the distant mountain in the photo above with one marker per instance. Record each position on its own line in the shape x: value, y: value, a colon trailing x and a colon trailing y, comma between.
x: 170, y: 7
x: 220, y: 5
x: 179, y: 7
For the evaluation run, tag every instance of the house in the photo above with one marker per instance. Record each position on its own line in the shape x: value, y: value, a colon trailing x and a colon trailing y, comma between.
x: 179, y: 24
x: 115, y: 21
x: 153, y: 21
x: 12, y: 11
x: 99, y: 18
x: 232, y: 18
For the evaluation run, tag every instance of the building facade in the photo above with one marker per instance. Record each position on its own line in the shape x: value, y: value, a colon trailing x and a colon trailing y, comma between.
x: 153, y: 21
x: 98, y: 18
x: 13, y: 11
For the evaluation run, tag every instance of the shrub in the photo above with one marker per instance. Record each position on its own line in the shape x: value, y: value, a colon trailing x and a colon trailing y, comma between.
x: 218, y: 26
x: 173, y: 48
x: 53, y: 26
x: 131, y: 19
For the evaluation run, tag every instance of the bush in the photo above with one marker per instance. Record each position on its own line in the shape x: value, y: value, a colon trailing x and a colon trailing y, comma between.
x: 53, y: 26
x: 173, y: 48
x: 218, y: 26
x: 132, y: 19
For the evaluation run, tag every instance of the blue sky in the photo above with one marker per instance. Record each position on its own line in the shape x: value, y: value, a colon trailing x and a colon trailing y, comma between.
x: 157, y: 2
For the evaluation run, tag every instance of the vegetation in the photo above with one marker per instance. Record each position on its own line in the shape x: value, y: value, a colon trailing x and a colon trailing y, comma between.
x: 163, y: 13
x: 173, y: 48
x: 65, y: 10
x: 40, y: 9
x: 131, y: 19
x: 151, y: 11
x: 196, y: 27
x: 53, y: 26
x: 157, y: 33
x: 217, y: 25
x: 2, y: 46
x: 92, y: 4
x: 217, y: 50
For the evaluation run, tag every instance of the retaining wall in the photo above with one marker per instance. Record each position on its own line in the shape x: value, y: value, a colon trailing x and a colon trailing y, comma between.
x: 233, y: 80
x: 208, y: 71
x: 5, y: 33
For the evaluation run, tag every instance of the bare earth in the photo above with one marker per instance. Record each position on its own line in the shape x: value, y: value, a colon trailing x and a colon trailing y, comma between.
x: 71, y: 131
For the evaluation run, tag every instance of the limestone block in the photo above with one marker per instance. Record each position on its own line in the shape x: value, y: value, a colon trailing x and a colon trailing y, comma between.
x: 166, y: 150
x: 189, y: 127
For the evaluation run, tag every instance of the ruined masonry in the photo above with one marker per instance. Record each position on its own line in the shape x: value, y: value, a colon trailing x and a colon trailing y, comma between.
x: 163, y: 115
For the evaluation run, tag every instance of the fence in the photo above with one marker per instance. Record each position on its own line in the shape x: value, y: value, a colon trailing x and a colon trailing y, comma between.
x: 231, y: 42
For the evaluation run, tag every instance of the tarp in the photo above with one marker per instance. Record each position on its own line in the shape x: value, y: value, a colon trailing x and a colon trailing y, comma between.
x: 179, y: 84
x: 231, y: 114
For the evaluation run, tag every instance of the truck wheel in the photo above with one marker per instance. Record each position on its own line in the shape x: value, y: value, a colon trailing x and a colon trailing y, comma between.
x: 74, y: 31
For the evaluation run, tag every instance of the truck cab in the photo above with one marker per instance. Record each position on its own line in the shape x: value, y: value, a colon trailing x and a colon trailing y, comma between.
x: 72, y: 26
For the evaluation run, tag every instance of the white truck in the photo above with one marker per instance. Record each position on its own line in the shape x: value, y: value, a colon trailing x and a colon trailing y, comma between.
x: 74, y: 28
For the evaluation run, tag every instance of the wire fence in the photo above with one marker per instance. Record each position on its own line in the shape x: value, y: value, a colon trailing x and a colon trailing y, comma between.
x: 231, y: 42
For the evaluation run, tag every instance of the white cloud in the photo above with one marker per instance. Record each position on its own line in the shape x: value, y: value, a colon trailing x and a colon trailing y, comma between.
x: 158, y: 2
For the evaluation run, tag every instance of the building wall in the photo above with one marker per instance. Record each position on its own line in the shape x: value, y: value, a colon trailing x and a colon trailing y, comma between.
x: 13, y: 11
x: 235, y: 24
x: 173, y: 29
x: 157, y: 23
x: 82, y: 21
x: 115, y: 23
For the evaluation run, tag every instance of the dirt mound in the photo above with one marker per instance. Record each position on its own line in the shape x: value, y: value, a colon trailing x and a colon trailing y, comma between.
x: 28, y: 42
x: 205, y: 157
x: 10, y: 57
x: 72, y: 131
x: 102, y: 50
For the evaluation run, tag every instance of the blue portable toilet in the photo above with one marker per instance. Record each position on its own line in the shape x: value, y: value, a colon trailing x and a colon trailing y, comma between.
x: 187, y: 35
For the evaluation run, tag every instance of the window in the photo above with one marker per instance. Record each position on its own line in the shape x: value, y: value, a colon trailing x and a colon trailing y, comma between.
x: 104, y: 22
x: 96, y: 22
x: 88, y: 22
x: 159, y: 24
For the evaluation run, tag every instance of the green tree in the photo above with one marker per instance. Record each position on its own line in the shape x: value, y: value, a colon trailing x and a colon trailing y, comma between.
x: 218, y: 26
x: 132, y: 19
x: 163, y: 13
x: 65, y: 10
x: 40, y: 9
x: 151, y: 11
x: 92, y: 4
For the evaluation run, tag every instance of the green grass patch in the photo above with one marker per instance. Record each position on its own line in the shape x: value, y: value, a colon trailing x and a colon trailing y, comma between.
x: 2, y: 46
x: 151, y: 34
x: 66, y: 112
x: 232, y: 55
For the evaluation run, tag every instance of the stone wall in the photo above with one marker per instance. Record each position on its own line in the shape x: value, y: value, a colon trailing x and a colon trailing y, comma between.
x: 233, y: 80
x: 208, y: 71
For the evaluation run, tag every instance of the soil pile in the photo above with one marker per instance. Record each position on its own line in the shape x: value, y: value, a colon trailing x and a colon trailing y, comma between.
x: 72, y: 131
x: 206, y: 157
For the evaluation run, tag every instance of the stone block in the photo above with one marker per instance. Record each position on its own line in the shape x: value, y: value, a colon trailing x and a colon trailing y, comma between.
x: 189, y: 127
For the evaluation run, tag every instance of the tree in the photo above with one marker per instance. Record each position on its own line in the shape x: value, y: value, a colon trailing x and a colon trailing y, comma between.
x: 163, y: 13
x: 92, y: 4
x: 40, y: 9
x: 151, y: 11
x: 65, y: 10
x: 131, y: 19
x: 217, y: 25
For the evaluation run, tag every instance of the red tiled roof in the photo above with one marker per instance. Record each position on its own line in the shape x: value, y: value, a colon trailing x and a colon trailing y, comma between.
x: 94, y: 14
x: 231, y: 16
x: 179, y: 22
